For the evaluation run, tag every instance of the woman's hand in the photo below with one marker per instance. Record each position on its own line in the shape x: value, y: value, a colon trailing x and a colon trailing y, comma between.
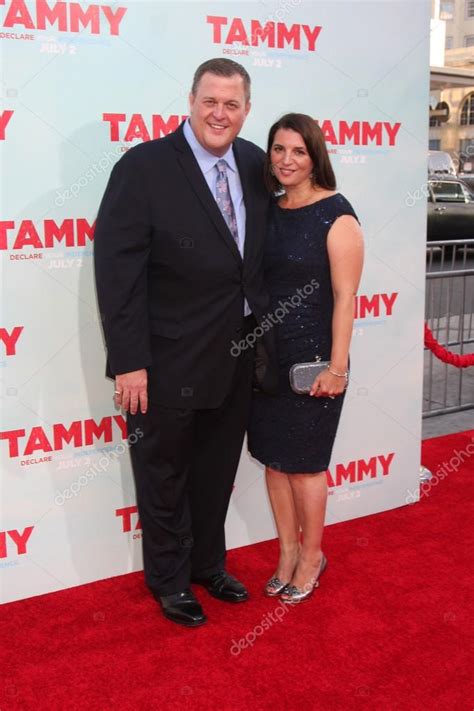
x: 327, y: 385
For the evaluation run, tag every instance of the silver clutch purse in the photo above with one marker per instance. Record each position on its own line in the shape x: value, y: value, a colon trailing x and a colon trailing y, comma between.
x: 302, y: 375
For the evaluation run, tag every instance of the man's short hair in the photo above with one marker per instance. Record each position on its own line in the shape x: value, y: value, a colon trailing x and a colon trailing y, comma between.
x: 221, y: 67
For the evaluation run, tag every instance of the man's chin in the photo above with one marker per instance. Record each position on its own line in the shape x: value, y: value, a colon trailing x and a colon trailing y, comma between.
x: 218, y: 145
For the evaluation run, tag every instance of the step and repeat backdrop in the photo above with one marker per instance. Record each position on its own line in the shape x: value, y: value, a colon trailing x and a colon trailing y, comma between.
x: 81, y: 84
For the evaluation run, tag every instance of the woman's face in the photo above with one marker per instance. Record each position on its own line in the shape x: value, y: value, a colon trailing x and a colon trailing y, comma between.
x: 290, y: 159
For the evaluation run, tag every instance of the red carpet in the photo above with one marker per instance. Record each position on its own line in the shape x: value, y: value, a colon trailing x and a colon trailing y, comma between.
x: 387, y: 629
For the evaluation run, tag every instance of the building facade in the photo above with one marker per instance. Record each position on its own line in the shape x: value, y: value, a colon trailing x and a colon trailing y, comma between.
x: 452, y: 107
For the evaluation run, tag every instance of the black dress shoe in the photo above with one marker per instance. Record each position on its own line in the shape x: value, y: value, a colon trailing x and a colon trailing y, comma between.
x: 223, y: 586
x: 182, y: 608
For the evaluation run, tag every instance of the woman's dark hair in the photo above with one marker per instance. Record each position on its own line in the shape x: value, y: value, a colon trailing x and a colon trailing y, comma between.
x: 323, y: 174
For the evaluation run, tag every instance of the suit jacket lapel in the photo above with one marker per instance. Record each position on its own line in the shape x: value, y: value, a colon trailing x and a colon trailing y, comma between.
x: 194, y: 175
x: 245, y: 179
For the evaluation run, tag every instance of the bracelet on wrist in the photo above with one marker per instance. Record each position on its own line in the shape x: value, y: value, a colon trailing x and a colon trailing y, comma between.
x: 338, y: 375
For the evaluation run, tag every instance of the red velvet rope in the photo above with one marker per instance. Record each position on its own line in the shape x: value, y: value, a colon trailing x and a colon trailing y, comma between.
x: 460, y: 361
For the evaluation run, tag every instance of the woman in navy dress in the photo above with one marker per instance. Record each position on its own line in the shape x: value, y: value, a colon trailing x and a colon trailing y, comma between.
x: 313, y: 264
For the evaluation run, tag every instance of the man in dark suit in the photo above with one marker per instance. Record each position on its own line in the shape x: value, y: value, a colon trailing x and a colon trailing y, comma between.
x: 178, y: 252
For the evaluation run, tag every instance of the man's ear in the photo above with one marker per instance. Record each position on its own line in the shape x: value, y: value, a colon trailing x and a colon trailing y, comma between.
x: 248, y: 106
x: 191, y: 99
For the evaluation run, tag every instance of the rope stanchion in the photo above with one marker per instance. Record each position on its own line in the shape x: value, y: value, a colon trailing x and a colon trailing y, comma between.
x: 459, y: 361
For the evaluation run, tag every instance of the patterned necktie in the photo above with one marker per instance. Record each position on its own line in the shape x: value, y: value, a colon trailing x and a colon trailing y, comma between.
x: 224, y: 199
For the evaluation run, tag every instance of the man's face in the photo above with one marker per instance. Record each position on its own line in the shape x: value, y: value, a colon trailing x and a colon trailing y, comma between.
x: 218, y: 111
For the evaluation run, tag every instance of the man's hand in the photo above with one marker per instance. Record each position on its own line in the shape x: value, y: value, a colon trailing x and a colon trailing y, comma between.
x: 131, y: 389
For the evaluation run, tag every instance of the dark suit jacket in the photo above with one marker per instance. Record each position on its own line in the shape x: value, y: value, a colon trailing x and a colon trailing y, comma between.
x: 170, y: 279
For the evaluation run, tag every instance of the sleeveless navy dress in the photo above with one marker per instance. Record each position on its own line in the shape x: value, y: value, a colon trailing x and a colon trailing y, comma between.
x: 289, y: 432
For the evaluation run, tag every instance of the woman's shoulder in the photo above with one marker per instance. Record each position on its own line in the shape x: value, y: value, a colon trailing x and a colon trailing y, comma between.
x: 341, y: 201
x: 342, y: 206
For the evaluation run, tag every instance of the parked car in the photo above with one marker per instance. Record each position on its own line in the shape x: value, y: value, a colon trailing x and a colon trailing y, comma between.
x: 440, y: 163
x: 450, y: 209
x: 467, y: 179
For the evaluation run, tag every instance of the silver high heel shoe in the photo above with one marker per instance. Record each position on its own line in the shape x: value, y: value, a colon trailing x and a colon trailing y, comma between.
x: 274, y: 587
x: 292, y: 594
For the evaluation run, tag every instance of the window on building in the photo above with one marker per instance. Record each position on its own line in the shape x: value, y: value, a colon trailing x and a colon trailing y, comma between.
x: 435, y: 144
x: 439, y: 114
x: 467, y: 111
x: 446, y: 10
x: 449, y: 43
x: 466, y: 155
x: 469, y: 8
x: 469, y: 41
